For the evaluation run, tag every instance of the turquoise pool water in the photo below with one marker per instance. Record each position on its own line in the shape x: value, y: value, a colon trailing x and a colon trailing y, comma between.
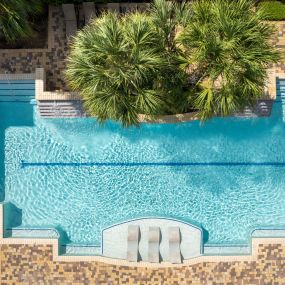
x: 227, y: 175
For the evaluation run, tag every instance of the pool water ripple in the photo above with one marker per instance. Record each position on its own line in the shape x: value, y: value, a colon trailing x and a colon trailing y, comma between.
x: 244, y: 189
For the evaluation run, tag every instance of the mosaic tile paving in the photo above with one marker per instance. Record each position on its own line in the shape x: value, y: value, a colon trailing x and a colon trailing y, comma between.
x: 32, y: 264
x: 51, y: 59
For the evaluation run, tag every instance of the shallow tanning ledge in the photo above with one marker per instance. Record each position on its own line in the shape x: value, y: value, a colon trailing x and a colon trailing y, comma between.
x: 115, y: 239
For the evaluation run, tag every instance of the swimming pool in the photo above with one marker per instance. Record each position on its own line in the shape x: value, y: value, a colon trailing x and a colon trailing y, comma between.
x: 227, y: 175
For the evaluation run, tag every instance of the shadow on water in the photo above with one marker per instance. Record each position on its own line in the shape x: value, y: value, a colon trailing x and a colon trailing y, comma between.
x: 187, y: 131
x: 12, y: 218
x: 205, y: 235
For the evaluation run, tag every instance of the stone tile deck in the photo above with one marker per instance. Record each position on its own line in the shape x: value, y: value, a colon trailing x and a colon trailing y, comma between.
x: 28, y: 264
x: 51, y: 58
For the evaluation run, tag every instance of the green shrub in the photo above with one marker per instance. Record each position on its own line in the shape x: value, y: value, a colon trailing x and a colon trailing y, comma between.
x: 14, y: 18
x: 124, y: 66
x: 275, y: 10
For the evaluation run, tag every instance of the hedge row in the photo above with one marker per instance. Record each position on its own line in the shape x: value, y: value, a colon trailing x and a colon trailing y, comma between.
x: 275, y: 10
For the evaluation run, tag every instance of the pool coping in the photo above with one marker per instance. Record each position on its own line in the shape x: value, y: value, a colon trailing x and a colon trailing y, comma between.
x: 18, y: 76
x: 54, y: 242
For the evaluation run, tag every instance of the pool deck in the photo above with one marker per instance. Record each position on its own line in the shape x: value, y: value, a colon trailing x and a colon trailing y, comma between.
x: 36, y: 261
x: 33, y: 264
x: 28, y: 261
x: 52, y: 57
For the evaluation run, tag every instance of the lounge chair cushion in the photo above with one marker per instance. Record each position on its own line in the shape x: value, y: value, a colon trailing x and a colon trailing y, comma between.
x: 133, y: 243
x: 153, y: 244
x: 114, y: 7
x: 174, y: 245
x: 71, y: 28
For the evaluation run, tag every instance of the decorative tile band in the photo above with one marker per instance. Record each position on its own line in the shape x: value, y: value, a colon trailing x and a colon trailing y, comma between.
x: 22, y: 76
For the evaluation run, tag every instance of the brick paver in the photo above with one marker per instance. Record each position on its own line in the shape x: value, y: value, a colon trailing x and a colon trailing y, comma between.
x: 52, y: 58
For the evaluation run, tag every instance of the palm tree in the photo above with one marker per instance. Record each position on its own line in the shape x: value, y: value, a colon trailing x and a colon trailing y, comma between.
x: 210, y: 56
x: 14, y: 16
x: 227, y: 45
x: 122, y: 67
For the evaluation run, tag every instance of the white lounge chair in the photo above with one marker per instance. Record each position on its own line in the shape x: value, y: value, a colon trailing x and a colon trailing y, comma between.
x: 174, y: 245
x: 153, y: 244
x: 133, y: 243
x: 70, y: 19
x: 89, y: 11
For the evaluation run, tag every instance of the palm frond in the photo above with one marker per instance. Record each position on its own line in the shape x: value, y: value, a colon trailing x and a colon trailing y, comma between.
x: 230, y: 43
x: 14, y: 18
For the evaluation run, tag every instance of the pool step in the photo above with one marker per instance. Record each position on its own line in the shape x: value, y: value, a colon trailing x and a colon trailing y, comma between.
x: 74, y: 109
x: 19, y: 98
x: 17, y: 90
x: 226, y: 250
x: 71, y: 249
x: 61, y: 109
